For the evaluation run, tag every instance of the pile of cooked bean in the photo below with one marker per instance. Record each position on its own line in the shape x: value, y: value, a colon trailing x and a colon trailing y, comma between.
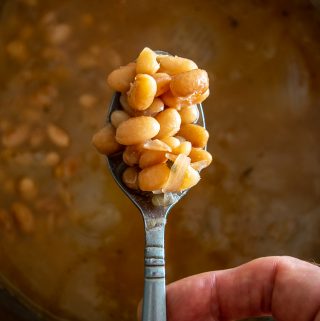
x: 156, y: 128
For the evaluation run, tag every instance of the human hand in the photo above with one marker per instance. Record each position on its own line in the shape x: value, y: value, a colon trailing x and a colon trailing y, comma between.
x: 284, y: 287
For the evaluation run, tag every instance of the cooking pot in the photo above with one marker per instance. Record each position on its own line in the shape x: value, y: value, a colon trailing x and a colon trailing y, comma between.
x: 71, y: 244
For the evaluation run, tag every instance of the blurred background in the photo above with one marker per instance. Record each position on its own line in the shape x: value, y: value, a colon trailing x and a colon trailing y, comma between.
x: 71, y: 244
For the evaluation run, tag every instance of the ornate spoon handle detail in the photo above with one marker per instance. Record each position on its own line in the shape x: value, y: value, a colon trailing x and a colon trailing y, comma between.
x: 154, y: 298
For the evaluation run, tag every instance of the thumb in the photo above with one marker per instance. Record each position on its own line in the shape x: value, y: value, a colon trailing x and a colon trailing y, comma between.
x: 284, y: 287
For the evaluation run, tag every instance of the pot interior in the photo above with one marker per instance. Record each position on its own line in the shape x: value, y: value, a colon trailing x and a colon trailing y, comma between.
x: 81, y: 257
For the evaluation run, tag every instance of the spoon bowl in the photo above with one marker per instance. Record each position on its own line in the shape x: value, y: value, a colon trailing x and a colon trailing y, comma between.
x: 142, y: 200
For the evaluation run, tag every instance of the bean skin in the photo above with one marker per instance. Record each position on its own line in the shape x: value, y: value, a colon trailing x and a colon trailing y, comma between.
x: 197, y: 135
x: 120, y: 79
x: 104, y: 141
x: 131, y: 154
x: 137, y: 130
x: 173, y: 65
x: 188, y: 83
x: 142, y: 92
x: 189, y: 114
x: 153, y: 178
x: 179, y: 102
x: 152, y: 157
x: 163, y: 82
x: 198, y: 154
x: 147, y: 62
x: 169, y: 121
x: 173, y: 142
x: 156, y: 107
x: 117, y: 117
x: 130, y: 177
x: 125, y: 105
x: 183, y: 148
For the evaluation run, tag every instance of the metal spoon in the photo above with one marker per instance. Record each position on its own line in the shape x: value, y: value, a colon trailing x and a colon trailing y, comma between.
x: 154, y: 217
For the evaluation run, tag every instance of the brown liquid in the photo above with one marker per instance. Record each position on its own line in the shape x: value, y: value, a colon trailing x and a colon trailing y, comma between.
x: 261, y: 195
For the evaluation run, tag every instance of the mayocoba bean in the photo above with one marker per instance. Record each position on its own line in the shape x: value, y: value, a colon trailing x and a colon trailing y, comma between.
x: 152, y: 157
x: 163, y: 82
x: 58, y: 135
x: 175, y: 102
x: 131, y: 154
x: 27, y: 188
x: 173, y: 65
x: 23, y: 217
x: 190, y: 82
x: 120, y: 79
x: 183, y: 148
x: 169, y: 121
x: 197, y: 135
x: 156, y: 107
x: 172, y: 142
x: 130, y: 177
x: 179, y: 102
x: 137, y: 130
x: 153, y: 178
x: 118, y: 116
x: 125, y: 105
x: 105, y: 142
x: 197, y: 99
x: 198, y: 154
x: 142, y: 92
x: 147, y: 62
x: 189, y: 114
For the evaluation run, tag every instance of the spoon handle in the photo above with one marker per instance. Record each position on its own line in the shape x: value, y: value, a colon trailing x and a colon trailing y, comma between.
x: 154, y: 297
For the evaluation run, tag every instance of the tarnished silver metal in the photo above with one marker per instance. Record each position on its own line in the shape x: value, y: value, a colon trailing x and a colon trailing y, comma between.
x: 154, y: 217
